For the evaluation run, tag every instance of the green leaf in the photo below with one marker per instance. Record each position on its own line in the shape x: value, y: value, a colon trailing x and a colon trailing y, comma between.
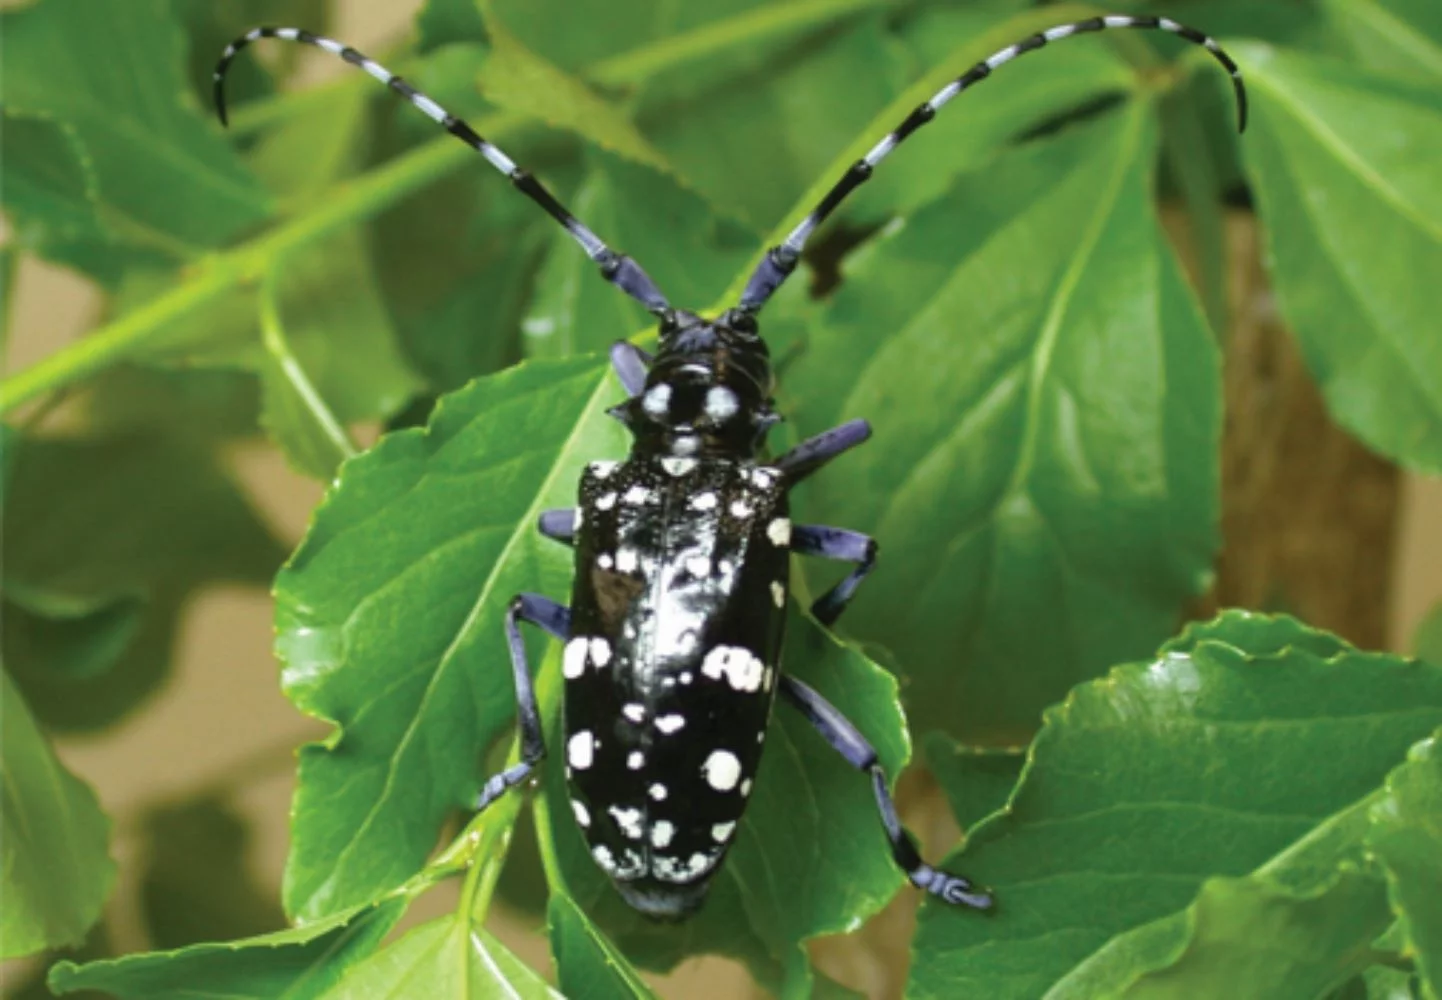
x: 1191, y: 826
x: 389, y: 618
x: 113, y: 73
x: 50, y: 190
x: 1406, y: 837
x: 446, y: 959
x: 293, y: 964
x: 198, y: 882
x: 589, y: 965
x: 55, y: 869
x: 977, y: 780
x: 1343, y: 163
x: 810, y: 857
x: 1392, y: 36
x: 672, y: 232
x: 185, y: 525
x: 442, y: 22
x: 749, y: 149
x: 72, y: 636
x: 1059, y: 471
x: 517, y: 79
x: 945, y: 41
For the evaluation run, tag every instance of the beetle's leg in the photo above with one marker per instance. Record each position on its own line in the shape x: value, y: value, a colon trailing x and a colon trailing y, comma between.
x: 555, y: 619
x: 630, y: 363
x: 813, y: 453
x: 835, y: 543
x: 558, y: 525
x: 846, y: 740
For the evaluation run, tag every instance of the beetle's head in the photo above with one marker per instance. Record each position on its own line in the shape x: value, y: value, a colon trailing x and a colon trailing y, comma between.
x: 708, y: 390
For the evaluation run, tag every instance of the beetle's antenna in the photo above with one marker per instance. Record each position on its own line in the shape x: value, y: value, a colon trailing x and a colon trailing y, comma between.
x: 617, y: 268
x: 780, y: 261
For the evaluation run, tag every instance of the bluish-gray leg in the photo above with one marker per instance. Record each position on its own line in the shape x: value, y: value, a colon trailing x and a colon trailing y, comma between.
x: 846, y: 740
x: 630, y: 363
x: 558, y: 525
x: 835, y: 543
x: 555, y: 619
x: 813, y: 453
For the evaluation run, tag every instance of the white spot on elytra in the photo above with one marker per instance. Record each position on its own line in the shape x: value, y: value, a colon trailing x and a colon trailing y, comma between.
x: 600, y: 652
x: 779, y: 531
x: 629, y: 820
x: 746, y: 787
x: 762, y: 477
x: 636, y: 496
x: 685, y: 677
x: 698, y: 566
x: 768, y: 677
x: 634, y: 711
x: 721, y: 403
x: 626, y: 561
x: 678, y: 466
x: 603, y: 470
x: 778, y: 593
x: 741, y: 668
x: 662, y: 833
x: 657, y: 792
x: 740, y: 508
x: 605, y: 561
x: 703, y: 501
x: 606, y: 501
x: 722, y: 770
x: 573, y: 660
x: 688, y: 445
x: 581, y: 750
x: 670, y: 723
x: 636, y: 760
x: 583, y: 816
x: 657, y: 400
x: 721, y: 832
x: 603, y: 857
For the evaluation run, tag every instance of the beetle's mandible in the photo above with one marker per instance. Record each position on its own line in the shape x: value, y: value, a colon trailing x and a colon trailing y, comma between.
x: 673, y: 635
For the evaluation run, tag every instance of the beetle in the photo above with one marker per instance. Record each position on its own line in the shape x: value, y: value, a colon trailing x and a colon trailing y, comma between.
x: 682, y: 553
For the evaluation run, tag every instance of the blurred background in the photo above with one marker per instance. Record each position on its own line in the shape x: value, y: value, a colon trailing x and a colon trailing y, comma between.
x: 199, y: 783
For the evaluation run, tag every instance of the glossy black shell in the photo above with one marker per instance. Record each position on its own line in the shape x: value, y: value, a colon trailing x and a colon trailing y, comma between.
x: 677, y: 615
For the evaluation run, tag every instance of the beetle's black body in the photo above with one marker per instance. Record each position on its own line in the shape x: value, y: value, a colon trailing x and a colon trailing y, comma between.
x: 677, y: 611
x: 673, y: 637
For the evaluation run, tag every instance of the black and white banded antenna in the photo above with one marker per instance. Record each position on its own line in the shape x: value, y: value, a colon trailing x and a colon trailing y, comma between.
x: 778, y: 263
x: 617, y: 268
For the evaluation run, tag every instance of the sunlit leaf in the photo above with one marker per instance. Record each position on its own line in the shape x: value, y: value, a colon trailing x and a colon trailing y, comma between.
x: 1406, y: 836
x: 1147, y: 852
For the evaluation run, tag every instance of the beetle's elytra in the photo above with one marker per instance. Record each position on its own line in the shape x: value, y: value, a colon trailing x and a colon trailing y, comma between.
x: 673, y: 635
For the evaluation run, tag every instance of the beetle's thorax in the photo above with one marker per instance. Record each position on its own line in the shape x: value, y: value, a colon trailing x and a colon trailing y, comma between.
x: 708, y: 392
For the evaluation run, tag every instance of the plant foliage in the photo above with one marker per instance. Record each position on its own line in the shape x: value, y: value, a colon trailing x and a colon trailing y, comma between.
x: 1248, y: 808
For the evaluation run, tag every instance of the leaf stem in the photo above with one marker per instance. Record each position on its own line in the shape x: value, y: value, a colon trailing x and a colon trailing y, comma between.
x: 272, y: 336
